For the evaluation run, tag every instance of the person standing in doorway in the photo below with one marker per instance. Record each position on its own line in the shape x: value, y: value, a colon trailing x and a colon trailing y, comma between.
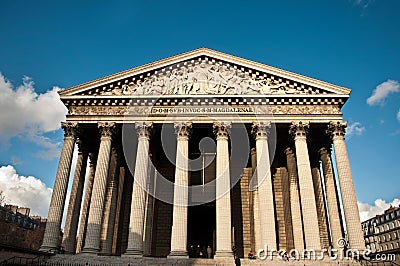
x: 209, y: 252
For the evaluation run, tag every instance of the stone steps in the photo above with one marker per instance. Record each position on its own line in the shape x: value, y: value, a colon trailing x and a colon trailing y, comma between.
x: 86, y: 259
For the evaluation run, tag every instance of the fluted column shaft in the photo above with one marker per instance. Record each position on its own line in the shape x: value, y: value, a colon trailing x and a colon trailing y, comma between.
x: 54, y: 218
x: 86, y: 205
x: 256, y: 210
x: 331, y: 197
x: 265, y: 190
x: 71, y: 223
x: 295, y: 207
x: 223, y: 197
x: 181, y: 193
x: 349, y: 199
x: 148, y: 229
x: 320, y: 202
x: 110, y: 206
x: 121, y: 183
x: 136, y: 225
x: 310, y: 217
x: 93, y: 229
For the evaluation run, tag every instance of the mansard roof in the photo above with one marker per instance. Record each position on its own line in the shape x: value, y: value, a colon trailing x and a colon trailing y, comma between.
x: 204, y: 71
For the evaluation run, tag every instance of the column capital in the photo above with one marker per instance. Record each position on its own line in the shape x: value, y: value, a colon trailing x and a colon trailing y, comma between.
x: 183, y: 130
x: 221, y: 130
x: 324, y: 151
x: 82, y: 148
x: 261, y: 130
x: 299, y: 129
x: 289, y: 151
x: 107, y: 130
x: 93, y: 158
x: 143, y: 129
x: 336, y: 129
x: 70, y: 129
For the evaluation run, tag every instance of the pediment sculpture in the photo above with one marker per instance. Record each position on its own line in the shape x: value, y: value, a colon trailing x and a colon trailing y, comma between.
x: 202, y: 79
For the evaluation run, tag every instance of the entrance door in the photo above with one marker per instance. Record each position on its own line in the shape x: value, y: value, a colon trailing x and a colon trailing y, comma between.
x: 201, y: 227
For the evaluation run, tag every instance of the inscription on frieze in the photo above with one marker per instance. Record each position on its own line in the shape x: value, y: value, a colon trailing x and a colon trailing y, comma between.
x: 201, y: 110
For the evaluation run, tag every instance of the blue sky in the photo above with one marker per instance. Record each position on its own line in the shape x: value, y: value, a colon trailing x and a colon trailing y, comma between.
x: 354, y: 44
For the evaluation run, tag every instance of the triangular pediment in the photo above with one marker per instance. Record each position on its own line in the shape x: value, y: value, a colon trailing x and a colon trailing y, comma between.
x: 204, y: 72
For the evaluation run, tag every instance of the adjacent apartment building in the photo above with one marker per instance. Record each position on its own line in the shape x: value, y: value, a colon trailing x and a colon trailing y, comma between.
x: 381, y: 233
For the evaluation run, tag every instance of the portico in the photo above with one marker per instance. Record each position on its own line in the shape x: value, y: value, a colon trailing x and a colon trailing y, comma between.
x: 246, y: 145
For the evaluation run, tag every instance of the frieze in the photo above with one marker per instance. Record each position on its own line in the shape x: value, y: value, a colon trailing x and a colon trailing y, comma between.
x: 303, y: 109
x: 239, y: 109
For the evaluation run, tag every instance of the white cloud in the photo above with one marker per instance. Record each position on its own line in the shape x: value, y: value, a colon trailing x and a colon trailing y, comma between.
x: 24, y: 191
x: 31, y: 192
x: 362, y: 3
x: 354, y: 129
x: 27, y: 114
x: 398, y: 115
x: 368, y: 211
x: 382, y: 91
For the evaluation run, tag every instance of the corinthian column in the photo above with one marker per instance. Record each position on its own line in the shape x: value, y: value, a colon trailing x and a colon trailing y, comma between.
x: 86, y: 204
x: 295, y: 206
x: 74, y: 207
x: 331, y: 197
x: 136, y: 225
x: 308, y: 204
x: 223, y: 196
x: 349, y: 200
x: 265, y: 191
x: 54, y: 218
x: 181, y: 193
x: 93, y: 228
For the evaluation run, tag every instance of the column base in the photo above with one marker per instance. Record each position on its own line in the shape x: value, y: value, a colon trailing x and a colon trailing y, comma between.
x: 133, y: 253
x: 223, y: 254
x: 178, y: 254
x: 90, y: 251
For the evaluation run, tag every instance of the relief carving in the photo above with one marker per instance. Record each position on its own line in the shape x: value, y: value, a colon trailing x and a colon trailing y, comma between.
x: 304, y: 109
x: 203, y: 78
x: 258, y: 109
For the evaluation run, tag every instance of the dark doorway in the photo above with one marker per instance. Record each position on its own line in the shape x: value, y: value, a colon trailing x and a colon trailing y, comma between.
x: 201, y: 228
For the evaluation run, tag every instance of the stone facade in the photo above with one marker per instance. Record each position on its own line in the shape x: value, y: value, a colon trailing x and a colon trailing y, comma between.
x: 146, y: 188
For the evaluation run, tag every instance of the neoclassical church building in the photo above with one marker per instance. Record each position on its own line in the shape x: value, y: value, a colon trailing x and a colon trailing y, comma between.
x: 203, y: 149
